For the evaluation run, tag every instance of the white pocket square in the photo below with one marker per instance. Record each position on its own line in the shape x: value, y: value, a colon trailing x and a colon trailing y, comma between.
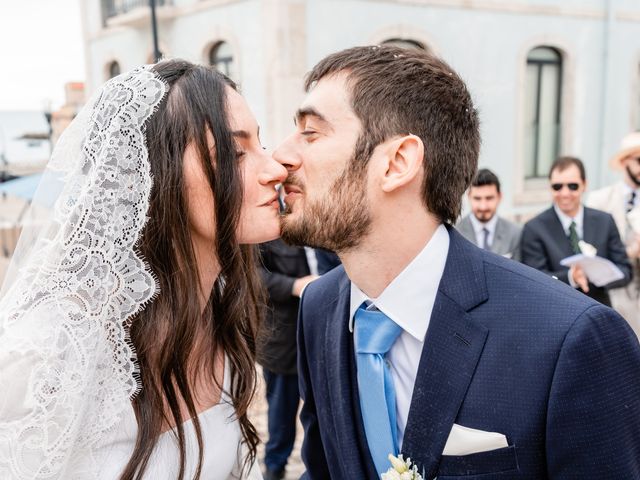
x: 465, y: 441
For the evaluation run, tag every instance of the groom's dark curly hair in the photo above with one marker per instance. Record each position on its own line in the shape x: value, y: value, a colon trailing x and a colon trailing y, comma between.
x: 400, y: 91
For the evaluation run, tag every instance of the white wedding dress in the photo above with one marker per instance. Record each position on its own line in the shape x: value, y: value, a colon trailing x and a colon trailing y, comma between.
x: 222, y: 454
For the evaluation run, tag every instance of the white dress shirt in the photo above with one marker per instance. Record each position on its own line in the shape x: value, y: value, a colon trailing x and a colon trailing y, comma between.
x: 408, y: 301
x: 312, y: 260
x: 479, y: 226
x: 566, y: 220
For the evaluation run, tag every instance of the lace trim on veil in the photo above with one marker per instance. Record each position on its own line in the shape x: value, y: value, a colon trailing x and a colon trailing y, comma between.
x: 67, y: 368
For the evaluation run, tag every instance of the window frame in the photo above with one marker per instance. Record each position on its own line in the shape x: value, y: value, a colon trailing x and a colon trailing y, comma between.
x: 110, y: 68
x: 227, y: 62
x: 558, y: 116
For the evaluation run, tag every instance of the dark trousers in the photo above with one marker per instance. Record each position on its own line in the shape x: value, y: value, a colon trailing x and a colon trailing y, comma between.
x: 283, y: 398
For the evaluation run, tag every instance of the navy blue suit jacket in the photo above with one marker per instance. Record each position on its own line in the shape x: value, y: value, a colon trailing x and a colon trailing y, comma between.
x: 509, y: 350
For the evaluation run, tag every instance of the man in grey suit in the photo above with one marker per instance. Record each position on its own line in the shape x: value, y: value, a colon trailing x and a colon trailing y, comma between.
x: 482, y: 226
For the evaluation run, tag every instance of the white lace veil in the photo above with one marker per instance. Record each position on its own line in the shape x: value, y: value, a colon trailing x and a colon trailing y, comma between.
x: 67, y: 369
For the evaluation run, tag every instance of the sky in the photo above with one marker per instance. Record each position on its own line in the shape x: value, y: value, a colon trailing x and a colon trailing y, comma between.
x: 41, y: 49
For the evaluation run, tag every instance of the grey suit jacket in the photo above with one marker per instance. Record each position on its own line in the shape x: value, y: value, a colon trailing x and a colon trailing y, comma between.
x: 506, y: 240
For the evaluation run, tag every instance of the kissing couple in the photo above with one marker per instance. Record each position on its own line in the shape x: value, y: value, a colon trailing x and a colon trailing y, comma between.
x: 128, y: 315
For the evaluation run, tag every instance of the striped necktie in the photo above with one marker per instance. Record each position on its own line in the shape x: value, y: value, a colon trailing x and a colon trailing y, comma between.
x: 632, y: 201
x: 574, y: 238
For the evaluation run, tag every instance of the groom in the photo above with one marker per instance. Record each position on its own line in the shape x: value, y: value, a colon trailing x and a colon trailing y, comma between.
x: 473, y: 365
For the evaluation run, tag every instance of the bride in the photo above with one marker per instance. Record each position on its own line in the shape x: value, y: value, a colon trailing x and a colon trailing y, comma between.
x: 128, y: 314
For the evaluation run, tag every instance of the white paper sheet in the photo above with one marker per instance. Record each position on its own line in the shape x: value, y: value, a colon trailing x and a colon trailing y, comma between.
x: 598, y: 270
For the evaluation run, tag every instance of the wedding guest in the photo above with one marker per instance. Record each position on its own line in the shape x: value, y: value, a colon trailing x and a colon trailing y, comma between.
x: 286, y: 271
x: 557, y: 232
x: 622, y: 201
x: 483, y: 226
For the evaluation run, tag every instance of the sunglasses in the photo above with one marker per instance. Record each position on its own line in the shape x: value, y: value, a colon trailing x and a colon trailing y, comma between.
x: 572, y: 186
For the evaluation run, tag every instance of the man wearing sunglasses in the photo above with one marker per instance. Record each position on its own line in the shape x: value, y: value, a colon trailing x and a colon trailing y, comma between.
x: 557, y: 232
x: 622, y: 201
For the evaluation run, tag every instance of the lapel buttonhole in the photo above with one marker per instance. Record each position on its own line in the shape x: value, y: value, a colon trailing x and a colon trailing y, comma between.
x: 462, y: 339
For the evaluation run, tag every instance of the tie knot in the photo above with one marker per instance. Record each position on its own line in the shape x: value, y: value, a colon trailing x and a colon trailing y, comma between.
x: 573, y: 229
x: 374, y: 331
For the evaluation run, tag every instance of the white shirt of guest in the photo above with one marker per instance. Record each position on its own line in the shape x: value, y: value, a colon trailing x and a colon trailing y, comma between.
x: 479, y: 226
x: 566, y: 220
x: 408, y: 301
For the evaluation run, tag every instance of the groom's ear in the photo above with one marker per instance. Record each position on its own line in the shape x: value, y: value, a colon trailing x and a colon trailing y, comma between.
x: 404, y: 162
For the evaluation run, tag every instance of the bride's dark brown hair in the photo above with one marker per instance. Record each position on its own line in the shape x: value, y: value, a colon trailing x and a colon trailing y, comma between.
x: 164, y: 333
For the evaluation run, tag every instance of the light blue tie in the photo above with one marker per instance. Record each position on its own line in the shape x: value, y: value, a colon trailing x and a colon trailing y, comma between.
x: 375, y: 333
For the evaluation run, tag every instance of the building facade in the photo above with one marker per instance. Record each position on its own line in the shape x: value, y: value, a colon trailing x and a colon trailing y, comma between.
x: 548, y: 77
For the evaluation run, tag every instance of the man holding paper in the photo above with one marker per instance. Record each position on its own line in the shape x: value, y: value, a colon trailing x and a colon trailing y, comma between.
x: 568, y: 228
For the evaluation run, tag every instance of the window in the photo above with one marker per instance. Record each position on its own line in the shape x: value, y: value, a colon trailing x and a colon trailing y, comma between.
x: 543, y: 92
x: 113, y: 70
x: 404, y: 43
x: 221, y: 57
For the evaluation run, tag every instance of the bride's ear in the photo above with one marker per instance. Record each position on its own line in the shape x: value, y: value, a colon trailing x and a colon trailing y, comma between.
x: 403, y: 162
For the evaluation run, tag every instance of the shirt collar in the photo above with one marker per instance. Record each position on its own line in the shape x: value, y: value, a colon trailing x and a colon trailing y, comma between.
x: 566, y: 219
x: 478, y: 225
x: 627, y: 189
x: 408, y: 300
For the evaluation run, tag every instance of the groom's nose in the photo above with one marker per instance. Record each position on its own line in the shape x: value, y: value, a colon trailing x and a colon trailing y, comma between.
x: 286, y: 155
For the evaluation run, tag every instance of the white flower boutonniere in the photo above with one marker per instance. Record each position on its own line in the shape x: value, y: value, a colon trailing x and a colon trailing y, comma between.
x: 401, y: 469
x: 587, y: 249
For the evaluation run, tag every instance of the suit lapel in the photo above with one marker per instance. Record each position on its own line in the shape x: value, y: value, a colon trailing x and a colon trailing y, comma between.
x: 452, y: 348
x: 343, y: 385
x: 466, y: 228
x: 559, y: 235
x: 617, y: 208
x: 588, y: 230
x: 499, y: 238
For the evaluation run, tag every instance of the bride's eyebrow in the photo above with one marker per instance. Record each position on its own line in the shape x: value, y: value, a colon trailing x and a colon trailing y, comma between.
x: 241, y: 134
x: 245, y: 135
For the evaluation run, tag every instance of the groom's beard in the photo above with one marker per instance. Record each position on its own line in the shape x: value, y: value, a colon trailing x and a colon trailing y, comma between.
x: 336, y: 222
